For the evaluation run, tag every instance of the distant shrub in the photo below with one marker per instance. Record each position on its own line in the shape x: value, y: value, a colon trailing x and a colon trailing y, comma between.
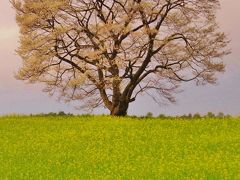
x: 220, y: 115
x: 210, y: 115
x: 149, y: 115
x: 196, y: 116
x: 227, y: 116
x: 189, y: 115
x: 183, y: 116
x: 61, y: 113
x: 132, y: 116
x: 86, y: 115
x: 51, y: 114
x: 162, y: 116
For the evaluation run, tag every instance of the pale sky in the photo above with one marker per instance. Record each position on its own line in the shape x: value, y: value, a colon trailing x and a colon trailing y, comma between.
x: 19, y: 97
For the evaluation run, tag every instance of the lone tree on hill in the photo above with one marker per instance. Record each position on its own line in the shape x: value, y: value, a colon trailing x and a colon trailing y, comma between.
x: 107, y: 52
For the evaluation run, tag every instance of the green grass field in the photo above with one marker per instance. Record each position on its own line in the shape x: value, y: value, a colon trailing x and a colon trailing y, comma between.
x: 103, y: 147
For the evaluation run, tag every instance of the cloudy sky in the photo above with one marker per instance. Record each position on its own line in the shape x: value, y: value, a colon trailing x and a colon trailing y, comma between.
x: 19, y: 97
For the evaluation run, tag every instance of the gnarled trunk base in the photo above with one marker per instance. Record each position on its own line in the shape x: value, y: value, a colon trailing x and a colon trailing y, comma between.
x: 120, y: 110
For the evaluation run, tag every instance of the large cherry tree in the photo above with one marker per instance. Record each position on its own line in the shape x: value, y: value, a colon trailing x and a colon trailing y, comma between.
x: 107, y: 52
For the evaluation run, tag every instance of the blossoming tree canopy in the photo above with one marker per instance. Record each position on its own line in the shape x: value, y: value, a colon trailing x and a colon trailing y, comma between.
x: 107, y: 52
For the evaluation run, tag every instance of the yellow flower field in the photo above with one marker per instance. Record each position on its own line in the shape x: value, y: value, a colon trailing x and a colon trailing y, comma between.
x: 103, y: 147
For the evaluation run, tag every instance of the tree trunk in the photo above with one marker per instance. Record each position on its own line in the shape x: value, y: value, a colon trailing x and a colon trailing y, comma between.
x: 120, y: 109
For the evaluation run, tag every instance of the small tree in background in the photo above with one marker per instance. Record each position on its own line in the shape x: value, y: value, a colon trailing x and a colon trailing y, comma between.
x: 162, y: 116
x: 197, y: 116
x: 107, y: 52
x: 220, y: 115
x: 149, y: 115
x: 210, y: 115
x: 189, y: 115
